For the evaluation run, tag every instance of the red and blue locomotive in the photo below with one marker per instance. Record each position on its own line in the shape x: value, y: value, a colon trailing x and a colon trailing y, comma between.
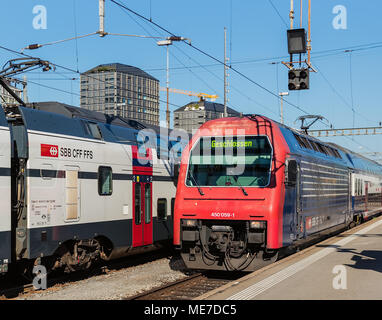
x: 249, y: 186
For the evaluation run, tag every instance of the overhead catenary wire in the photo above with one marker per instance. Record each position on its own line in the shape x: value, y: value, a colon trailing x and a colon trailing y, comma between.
x: 199, y: 66
x: 278, y: 13
x: 219, y: 62
x: 173, y: 55
x: 346, y: 103
x: 356, y: 48
x: 75, y: 32
x: 351, y: 85
x: 77, y: 72
x: 211, y: 57
x: 320, y: 54
x: 223, y: 63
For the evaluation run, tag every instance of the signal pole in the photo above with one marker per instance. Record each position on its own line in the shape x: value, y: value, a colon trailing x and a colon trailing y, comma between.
x: 101, y: 30
x: 167, y: 43
x: 291, y: 14
x: 282, y: 94
x: 309, y: 46
x: 225, y: 72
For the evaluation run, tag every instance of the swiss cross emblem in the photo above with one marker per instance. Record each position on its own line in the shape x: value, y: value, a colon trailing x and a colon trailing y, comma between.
x: 48, y: 150
x: 53, y: 151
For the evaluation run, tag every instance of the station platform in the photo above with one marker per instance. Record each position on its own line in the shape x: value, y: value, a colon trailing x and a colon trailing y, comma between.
x: 345, y: 267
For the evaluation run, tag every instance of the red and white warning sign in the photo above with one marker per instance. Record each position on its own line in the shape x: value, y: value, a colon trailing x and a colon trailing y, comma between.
x: 49, y: 150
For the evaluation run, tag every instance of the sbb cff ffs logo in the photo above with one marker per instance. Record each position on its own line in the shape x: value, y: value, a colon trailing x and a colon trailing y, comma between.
x: 54, y: 151
x: 49, y: 150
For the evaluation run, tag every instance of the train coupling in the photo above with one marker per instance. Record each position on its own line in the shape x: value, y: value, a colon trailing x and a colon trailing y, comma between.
x: 221, y: 237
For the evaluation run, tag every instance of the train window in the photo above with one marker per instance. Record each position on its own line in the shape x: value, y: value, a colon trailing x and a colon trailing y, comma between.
x: 172, y: 207
x: 162, y: 149
x: 162, y: 209
x: 147, y: 203
x: 137, y: 202
x: 47, y: 172
x: 92, y: 130
x: 213, y: 159
x: 105, y: 181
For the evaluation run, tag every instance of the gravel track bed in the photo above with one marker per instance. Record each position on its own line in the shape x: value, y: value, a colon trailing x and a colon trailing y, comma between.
x: 115, y: 284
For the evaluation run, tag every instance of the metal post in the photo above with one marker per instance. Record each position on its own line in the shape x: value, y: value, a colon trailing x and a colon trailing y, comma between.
x: 167, y: 89
x: 225, y: 73
x: 291, y: 14
x: 281, y: 94
x: 25, y: 89
x: 309, y: 47
x: 101, y: 18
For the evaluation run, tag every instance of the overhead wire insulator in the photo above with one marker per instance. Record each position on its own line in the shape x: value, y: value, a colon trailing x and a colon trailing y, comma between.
x: 33, y: 46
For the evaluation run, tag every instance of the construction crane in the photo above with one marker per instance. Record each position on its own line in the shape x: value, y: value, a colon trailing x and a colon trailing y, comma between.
x: 200, y: 95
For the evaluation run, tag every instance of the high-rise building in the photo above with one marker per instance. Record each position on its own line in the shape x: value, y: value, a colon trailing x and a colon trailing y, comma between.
x: 121, y: 90
x: 6, y: 98
x: 191, y: 116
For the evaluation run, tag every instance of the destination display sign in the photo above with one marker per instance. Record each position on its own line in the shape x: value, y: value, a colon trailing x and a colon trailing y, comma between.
x: 231, y: 144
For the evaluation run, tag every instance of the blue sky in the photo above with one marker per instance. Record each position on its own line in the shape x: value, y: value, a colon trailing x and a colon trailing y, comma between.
x: 255, y: 32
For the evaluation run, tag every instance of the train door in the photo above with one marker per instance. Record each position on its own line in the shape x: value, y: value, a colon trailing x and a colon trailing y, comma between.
x: 293, y: 190
x: 72, y: 194
x: 350, y: 206
x: 142, y: 211
x: 299, y: 215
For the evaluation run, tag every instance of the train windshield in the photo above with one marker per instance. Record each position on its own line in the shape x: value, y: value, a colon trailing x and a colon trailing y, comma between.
x: 230, y: 162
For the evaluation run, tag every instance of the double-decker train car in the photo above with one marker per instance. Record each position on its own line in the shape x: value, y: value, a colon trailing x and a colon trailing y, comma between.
x: 5, y: 194
x: 79, y: 186
x: 249, y: 187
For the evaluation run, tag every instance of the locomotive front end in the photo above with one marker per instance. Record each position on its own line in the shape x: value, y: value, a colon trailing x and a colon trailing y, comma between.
x: 227, y: 201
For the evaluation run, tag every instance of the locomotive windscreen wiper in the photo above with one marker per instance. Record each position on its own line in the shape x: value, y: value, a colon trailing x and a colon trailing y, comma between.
x: 241, y: 187
x: 196, y: 184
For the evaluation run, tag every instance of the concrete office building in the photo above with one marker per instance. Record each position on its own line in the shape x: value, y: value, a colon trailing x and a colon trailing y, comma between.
x: 191, y: 116
x: 121, y: 90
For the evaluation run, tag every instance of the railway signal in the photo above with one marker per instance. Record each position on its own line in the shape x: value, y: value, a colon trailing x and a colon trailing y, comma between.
x: 299, y: 43
x: 298, y: 79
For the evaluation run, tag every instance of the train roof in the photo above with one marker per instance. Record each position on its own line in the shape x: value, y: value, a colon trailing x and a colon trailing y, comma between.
x: 350, y: 158
x: 59, y: 118
x: 359, y: 161
x: 76, y: 112
x: 318, y: 149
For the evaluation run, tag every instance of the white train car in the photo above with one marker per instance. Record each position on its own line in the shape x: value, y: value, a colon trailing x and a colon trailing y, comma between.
x: 5, y: 194
x: 85, y: 189
x: 366, y: 194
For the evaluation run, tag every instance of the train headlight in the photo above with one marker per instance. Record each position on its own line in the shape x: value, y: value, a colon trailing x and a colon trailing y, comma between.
x: 190, y: 222
x: 257, y: 224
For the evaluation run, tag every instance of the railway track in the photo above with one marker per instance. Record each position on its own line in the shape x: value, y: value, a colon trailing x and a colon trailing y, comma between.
x: 187, y: 288
x: 13, y: 286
